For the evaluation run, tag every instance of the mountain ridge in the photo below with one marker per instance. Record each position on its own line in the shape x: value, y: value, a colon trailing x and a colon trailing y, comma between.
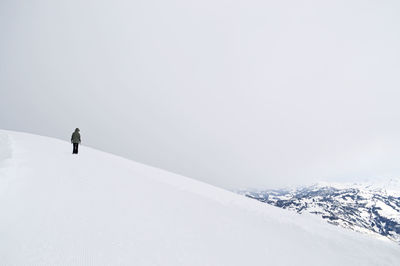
x: 100, y: 209
x: 369, y: 207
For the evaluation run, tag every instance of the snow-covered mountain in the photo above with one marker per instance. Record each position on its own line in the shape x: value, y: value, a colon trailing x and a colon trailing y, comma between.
x: 371, y: 207
x: 99, y: 209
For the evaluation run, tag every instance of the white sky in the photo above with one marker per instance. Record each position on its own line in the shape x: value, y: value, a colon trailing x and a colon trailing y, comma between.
x: 235, y: 93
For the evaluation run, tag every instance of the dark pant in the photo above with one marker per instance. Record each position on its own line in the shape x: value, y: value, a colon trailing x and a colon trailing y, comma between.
x: 75, y: 150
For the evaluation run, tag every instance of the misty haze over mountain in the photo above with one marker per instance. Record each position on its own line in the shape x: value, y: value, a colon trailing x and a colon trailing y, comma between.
x: 243, y: 93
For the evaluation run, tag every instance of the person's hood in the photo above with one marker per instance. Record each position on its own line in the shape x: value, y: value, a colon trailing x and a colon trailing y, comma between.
x: 77, y: 130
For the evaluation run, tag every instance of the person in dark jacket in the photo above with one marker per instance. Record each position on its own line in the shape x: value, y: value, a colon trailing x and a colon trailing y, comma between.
x: 75, y: 140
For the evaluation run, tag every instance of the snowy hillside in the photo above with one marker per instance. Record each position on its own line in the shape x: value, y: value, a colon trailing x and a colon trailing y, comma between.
x: 371, y: 207
x: 99, y: 209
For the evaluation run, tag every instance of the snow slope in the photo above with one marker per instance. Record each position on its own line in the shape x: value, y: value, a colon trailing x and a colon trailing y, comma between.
x: 100, y: 209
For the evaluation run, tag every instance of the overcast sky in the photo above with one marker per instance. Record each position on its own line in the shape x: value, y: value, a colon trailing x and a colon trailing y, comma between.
x: 251, y: 93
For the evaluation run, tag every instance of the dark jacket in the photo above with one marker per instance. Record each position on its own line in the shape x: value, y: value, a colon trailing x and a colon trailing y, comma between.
x: 76, y: 137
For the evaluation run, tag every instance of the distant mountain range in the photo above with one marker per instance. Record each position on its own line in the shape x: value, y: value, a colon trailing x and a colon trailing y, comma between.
x: 363, y: 207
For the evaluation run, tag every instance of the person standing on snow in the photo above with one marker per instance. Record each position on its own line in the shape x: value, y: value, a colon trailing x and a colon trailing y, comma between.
x: 75, y: 140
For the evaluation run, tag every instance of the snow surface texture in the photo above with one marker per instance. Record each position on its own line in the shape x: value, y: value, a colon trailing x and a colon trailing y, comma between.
x: 99, y: 209
x: 370, y: 207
